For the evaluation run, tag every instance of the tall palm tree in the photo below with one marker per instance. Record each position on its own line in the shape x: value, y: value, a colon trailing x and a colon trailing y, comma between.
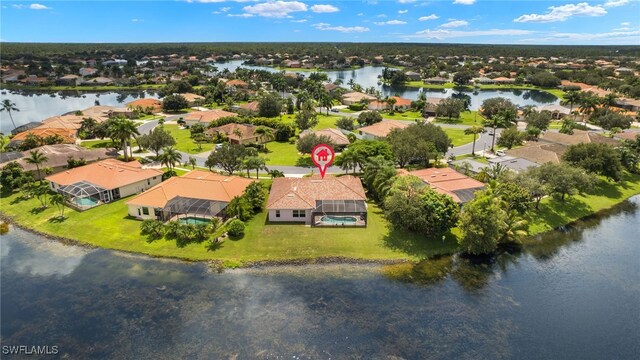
x: 9, y: 106
x: 266, y: 134
x: 504, y: 118
x: 123, y: 130
x: 608, y: 100
x: 571, y: 98
x: 475, y: 130
x: 170, y: 157
x: 588, y: 104
x: 325, y: 101
x: 37, y: 158
x: 59, y: 201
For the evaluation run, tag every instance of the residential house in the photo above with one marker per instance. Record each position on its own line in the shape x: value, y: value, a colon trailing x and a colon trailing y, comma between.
x: 356, y: 97
x: 87, y: 71
x: 578, y: 137
x: 68, y: 135
x: 58, y: 155
x: 237, y: 133
x: 513, y: 163
x: 504, y: 80
x: 236, y: 84
x: 146, y: 105
x: 339, y: 139
x: 447, y: 181
x: 413, y: 76
x: 381, y: 129
x: 315, y: 201
x: 431, y: 107
x: 558, y: 112
x: 539, y: 153
x: 205, y: 117
x: 102, y: 182
x: 253, y: 106
x: 400, y: 104
x: 98, y: 81
x: 628, y: 104
x: 25, y: 127
x: 199, y: 194
x: 68, y: 80
x: 193, y: 99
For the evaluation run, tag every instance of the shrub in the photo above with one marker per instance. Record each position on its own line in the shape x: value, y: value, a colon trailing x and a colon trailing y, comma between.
x: 152, y: 229
x: 235, y: 228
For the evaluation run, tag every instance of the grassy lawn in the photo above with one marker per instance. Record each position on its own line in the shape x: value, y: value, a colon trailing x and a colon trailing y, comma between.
x: 109, y: 226
x: 421, y: 84
x: 466, y: 118
x: 458, y: 137
x: 184, y: 142
x: 554, y: 213
x: 477, y: 158
x: 407, y: 115
x: 281, y: 153
x: 97, y: 144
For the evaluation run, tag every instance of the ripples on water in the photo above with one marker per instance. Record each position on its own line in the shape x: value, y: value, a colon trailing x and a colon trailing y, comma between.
x: 566, y: 295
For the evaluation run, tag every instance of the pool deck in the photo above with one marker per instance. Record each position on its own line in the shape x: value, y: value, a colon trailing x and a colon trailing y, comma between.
x: 360, y: 222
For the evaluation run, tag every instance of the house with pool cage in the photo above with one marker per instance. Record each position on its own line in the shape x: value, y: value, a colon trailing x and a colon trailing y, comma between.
x: 101, y: 182
x: 194, y: 197
x: 329, y: 202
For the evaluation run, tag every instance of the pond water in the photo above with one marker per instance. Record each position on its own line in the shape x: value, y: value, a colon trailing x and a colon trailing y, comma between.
x: 37, y: 106
x: 573, y: 295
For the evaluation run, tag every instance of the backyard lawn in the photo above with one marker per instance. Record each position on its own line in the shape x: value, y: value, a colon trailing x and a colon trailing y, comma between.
x: 407, y: 115
x: 109, y: 226
x: 469, y: 118
x: 281, y: 153
x: 458, y: 137
x: 184, y: 142
x: 97, y: 144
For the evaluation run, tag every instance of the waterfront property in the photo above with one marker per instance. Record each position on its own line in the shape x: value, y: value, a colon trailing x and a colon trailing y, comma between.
x: 449, y: 182
x: 194, y: 195
x: 332, y: 201
x: 237, y: 133
x: 338, y: 139
x: 146, y: 104
x: 205, y: 117
x: 102, y: 182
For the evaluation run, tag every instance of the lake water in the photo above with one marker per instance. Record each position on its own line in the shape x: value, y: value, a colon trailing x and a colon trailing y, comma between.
x: 572, y: 295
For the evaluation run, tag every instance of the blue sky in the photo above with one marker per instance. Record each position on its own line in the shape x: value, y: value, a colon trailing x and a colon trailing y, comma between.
x: 443, y: 21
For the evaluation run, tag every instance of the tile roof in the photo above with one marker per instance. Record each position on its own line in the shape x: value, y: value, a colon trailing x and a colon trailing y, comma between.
x: 192, y: 97
x: 252, y: 106
x: 237, y: 83
x: 448, y: 181
x: 207, y: 116
x: 59, y: 153
x: 108, y: 174
x: 383, y: 128
x: 302, y: 193
x: 146, y: 102
x: 195, y: 184
x: 335, y: 135
x: 68, y: 135
x: 539, y: 153
x: 578, y: 136
x: 247, y: 131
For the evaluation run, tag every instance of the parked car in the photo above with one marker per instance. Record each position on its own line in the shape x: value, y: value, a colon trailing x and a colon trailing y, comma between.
x: 500, y: 153
x: 335, y: 110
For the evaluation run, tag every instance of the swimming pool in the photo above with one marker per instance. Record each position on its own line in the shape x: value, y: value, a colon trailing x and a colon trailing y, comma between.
x: 194, y: 220
x: 339, y: 220
x: 85, y: 201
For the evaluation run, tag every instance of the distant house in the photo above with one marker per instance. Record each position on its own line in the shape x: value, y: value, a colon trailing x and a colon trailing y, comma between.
x: 205, y: 117
x: 25, y: 127
x: 448, y: 181
x: 413, y: 76
x: 58, y: 155
x: 154, y: 105
x: 237, y: 133
x: 504, y: 80
x: 193, y: 99
x: 236, y: 84
x: 578, y: 137
x: 557, y: 111
x: 539, y: 153
x: 356, y: 97
x: 194, y: 194
x: 102, y: 182
x: 68, y: 135
x: 332, y: 201
x: 98, y: 81
x: 628, y: 104
x: 330, y: 87
x: 68, y: 80
x: 339, y: 139
x: 513, y: 163
x: 382, y: 129
x: 253, y: 107
x: 87, y: 71
x: 400, y: 104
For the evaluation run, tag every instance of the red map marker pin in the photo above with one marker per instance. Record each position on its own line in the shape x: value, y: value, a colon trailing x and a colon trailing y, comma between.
x: 322, y: 155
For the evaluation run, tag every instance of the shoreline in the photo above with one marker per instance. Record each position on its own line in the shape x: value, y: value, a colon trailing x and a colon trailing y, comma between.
x: 218, y: 265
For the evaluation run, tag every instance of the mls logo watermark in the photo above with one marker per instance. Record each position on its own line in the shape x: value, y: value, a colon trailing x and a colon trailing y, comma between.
x: 322, y: 156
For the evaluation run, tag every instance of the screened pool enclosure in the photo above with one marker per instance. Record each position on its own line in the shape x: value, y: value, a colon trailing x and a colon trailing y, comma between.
x: 340, y: 213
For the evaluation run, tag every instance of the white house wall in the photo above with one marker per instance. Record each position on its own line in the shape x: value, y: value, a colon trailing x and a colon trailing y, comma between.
x: 287, y: 216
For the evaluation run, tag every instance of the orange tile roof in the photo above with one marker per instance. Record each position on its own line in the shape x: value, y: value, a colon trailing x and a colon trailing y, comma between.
x: 335, y: 135
x: 68, y: 135
x: 302, y: 193
x: 383, y: 128
x: 195, y: 184
x: 237, y: 83
x: 207, y: 116
x: 445, y: 180
x: 108, y: 174
x: 147, y: 102
x: 252, y: 106
x: 192, y: 97
x: 401, y: 101
x: 71, y: 122
x: 229, y: 130
x: 539, y: 153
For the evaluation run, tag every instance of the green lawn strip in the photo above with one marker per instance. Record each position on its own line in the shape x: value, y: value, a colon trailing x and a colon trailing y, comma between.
x: 469, y: 118
x: 97, y: 144
x: 474, y: 158
x: 457, y: 136
x: 82, y: 88
x: 109, y: 226
x: 407, y: 115
x: 281, y: 153
x: 184, y: 142
x: 421, y: 84
x: 554, y: 213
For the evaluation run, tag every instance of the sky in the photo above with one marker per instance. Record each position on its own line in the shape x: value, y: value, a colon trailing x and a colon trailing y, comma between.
x: 605, y: 22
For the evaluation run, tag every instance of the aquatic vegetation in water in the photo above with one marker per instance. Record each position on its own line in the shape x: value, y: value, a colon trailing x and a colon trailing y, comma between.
x: 427, y: 271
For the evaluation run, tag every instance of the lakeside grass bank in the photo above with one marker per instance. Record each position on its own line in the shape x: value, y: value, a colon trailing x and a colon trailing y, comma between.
x: 109, y: 226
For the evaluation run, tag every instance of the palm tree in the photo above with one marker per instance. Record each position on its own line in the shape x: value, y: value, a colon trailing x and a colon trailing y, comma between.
x: 266, y: 134
x: 37, y: 158
x: 170, y: 157
x: 571, y: 98
x: 588, y: 104
x: 9, y: 106
x: 503, y: 118
x: 608, y: 100
x: 391, y: 102
x: 192, y: 161
x: 123, y: 130
x: 325, y: 101
x: 475, y: 130
x: 59, y: 201
x: 255, y: 162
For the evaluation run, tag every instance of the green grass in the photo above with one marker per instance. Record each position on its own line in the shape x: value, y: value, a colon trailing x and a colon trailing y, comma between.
x: 458, y: 137
x: 82, y: 88
x: 184, y: 142
x: 421, y: 84
x: 281, y: 153
x: 469, y: 118
x: 477, y: 158
x: 407, y: 115
x: 554, y: 213
x: 109, y: 226
x: 97, y: 144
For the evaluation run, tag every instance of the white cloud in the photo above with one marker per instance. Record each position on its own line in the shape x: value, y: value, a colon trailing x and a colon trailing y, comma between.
x: 588, y: 36
x: 275, y: 9
x: 324, y: 9
x: 406, y: 1
x: 359, y: 14
x: 615, y: 3
x: 381, y: 15
x: 464, y: 2
x: 344, y: 29
x: 245, y: 15
x: 454, y: 24
x: 428, y: 17
x: 403, y: 11
x: 390, y: 22
x: 299, y: 21
x: 441, y: 34
x: 562, y: 13
x: 626, y: 23
x: 137, y: 20
x: 225, y: 9
x: 33, y: 7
